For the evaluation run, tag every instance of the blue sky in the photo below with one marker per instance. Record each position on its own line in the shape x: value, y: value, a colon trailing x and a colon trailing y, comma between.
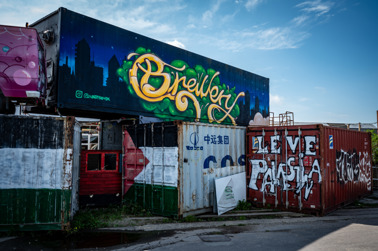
x: 321, y: 56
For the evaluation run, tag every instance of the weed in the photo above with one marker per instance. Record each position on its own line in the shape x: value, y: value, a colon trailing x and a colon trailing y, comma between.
x: 168, y: 220
x: 89, y: 219
x: 86, y: 220
x: 190, y: 218
x: 243, y: 205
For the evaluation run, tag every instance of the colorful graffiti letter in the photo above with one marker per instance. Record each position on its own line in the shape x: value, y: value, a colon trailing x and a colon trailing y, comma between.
x: 176, y: 90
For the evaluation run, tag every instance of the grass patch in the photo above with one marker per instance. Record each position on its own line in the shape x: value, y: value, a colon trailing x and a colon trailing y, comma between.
x: 93, y: 218
x: 243, y: 205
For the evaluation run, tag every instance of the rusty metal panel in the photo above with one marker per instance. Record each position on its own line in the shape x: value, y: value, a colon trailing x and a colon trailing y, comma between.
x: 307, y: 168
x: 76, y: 169
x: 36, y: 160
x: 208, y: 152
x: 348, y: 162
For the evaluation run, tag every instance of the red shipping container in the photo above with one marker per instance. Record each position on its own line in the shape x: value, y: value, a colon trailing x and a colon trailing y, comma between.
x: 310, y: 168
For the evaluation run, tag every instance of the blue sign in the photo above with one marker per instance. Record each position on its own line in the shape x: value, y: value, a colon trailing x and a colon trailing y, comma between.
x: 330, y: 141
x: 217, y: 139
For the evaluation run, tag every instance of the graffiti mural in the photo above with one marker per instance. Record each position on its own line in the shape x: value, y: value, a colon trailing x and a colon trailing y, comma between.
x: 298, y: 173
x: 353, y: 166
x: 20, y: 61
x: 177, y: 89
x: 135, y: 75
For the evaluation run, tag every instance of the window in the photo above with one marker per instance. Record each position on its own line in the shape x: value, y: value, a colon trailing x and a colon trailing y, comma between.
x: 94, y: 162
x: 110, y: 162
x: 102, y: 161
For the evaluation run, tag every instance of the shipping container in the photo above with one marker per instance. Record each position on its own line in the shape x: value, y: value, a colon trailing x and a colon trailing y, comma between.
x: 310, y: 168
x: 39, y: 159
x: 99, y: 70
x: 170, y: 168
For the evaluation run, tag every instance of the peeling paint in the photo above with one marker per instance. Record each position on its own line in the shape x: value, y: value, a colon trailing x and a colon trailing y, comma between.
x: 34, y: 168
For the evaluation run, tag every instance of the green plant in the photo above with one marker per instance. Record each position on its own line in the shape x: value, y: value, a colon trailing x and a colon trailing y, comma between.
x: 135, y: 209
x: 374, y: 146
x: 190, y: 218
x: 85, y: 220
x: 243, y: 205
x: 89, y: 219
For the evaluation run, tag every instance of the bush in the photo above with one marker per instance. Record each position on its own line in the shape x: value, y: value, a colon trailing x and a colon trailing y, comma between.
x: 374, y: 147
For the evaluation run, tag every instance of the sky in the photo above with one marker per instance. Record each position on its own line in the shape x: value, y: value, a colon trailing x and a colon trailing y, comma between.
x: 321, y: 56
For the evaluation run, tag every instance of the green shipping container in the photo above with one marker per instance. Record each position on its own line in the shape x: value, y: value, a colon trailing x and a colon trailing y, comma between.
x: 38, y: 172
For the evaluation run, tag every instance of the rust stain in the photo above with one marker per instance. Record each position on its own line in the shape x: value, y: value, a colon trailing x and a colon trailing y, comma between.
x: 193, y: 197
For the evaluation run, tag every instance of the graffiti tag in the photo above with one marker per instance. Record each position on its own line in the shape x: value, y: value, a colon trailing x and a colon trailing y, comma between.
x: 353, y: 167
x: 281, y: 174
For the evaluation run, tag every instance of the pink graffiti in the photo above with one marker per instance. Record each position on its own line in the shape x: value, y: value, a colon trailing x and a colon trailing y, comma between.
x: 19, y: 60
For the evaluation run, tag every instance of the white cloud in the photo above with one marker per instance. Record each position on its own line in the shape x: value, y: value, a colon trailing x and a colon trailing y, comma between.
x: 300, y: 20
x: 207, y: 16
x: 316, y: 7
x: 276, y: 99
x: 176, y: 43
x: 275, y: 38
x: 251, y: 4
x: 191, y: 26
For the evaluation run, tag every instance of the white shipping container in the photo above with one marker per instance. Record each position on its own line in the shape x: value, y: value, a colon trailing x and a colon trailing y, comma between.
x: 170, y: 167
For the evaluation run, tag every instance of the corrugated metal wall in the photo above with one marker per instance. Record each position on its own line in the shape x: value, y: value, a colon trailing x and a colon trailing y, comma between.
x: 348, y: 163
x: 170, y: 167
x: 36, y: 172
x: 312, y: 168
x: 150, y: 167
x: 207, y: 152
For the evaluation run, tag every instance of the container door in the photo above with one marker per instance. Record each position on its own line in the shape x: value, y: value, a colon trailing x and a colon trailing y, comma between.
x: 150, y: 167
x: 36, y: 172
x: 284, y: 168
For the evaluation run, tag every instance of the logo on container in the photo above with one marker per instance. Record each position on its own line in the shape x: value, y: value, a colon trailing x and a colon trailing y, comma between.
x: 330, y: 141
x: 194, y: 139
x: 79, y: 94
